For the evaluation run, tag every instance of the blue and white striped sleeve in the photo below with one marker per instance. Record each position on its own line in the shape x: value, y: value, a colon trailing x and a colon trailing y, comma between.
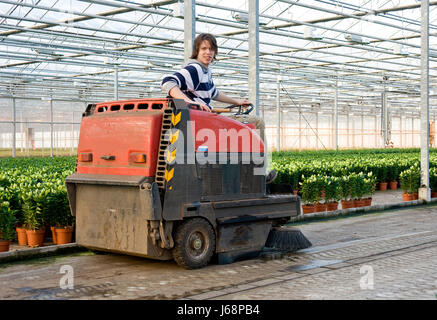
x: 186, y: 79
x: 169, y: 82
x: 215, y: 93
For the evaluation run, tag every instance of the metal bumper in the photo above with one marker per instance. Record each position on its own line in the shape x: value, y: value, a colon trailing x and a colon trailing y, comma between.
x: 244, y: 225
x: 112, y: 213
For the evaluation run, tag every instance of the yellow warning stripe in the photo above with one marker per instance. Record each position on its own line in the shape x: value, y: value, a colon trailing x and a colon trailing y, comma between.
x: 171, y: 156
x: 175, y: 119
x: 174, y: 136
x: 169, y: 174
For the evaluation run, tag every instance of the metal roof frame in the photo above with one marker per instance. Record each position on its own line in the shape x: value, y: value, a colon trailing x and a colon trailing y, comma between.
x: 75, y: 57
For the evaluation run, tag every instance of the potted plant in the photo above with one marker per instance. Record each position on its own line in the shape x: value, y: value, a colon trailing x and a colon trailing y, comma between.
x: 433, y: 182
x: 353, y: 187
x: 332, y: 193
x: 369, y: 188
x: 20, y: 229
x: 282, y: 176
x: 345, y: 192
x: 410, y: 183
x: 33, y: 219
x: 393, y: 175
x: 65, y: 221
x: 320, y: 196
x: 309, y: 190
x: 10, y: 195
x: 51, y: 213
x: 357, y: 189
x: 294, y: 180
x: 383, y: 173
x: 7, y: 226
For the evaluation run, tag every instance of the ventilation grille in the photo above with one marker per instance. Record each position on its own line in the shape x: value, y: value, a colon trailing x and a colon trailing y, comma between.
x: 250, y: 183
x: 212, y: 179
x: 163, y: 143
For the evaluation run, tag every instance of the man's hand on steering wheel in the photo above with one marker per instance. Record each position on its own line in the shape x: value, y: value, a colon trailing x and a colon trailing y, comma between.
x: 244, y: 106
x: 202, y: 106
x: 242, y: 102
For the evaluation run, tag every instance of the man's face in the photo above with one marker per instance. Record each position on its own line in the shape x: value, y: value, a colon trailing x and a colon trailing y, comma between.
x: 206, y: 53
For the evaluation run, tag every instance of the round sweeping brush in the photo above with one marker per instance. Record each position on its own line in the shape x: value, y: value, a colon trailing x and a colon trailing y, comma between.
x: 289, y: 239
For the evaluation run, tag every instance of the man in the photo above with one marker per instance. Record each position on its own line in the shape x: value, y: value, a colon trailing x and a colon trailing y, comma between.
x: 194, y: 84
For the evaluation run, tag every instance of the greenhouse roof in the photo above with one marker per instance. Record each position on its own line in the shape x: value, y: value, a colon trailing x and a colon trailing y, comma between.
x: 70, y: 49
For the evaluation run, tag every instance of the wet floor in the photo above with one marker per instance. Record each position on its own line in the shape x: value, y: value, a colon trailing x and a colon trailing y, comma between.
x: 401, y: 246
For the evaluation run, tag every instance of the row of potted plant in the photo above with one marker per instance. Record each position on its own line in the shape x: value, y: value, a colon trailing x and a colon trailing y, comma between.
x: 33, y: 191
x: 433, y: 182
x: 321, y: 193
x: 410, y: 182
x: 386, y: 165
x: 387, y: 174
x: 40, y: 209
x: 7, y: 226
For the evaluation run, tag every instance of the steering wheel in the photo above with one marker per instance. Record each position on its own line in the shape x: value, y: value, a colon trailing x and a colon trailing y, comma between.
x: 242, y: 109
x: 193, y: 106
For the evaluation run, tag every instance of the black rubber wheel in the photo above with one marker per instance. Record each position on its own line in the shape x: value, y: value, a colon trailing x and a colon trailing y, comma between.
x: 194, y: 244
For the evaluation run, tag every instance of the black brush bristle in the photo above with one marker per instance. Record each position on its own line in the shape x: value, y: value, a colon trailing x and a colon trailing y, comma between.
x: 289, y: 239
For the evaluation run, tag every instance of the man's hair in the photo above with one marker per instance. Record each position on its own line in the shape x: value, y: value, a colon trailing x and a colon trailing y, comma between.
x: 199, y: 39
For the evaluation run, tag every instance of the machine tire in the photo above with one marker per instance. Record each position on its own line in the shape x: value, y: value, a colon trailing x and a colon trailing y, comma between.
x: 194, y: 244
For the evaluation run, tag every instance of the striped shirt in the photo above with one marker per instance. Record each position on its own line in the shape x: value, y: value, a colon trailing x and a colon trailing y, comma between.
x: 194, y: 80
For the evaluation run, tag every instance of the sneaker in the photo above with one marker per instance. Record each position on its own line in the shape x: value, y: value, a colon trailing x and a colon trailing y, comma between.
x: 271, y: 176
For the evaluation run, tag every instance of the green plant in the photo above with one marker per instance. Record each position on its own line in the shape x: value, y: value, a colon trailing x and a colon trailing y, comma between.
x: 310, y: 189
x: 433, y: 179
x: 410, y: 179
x: 64, y: 217
x: 320, y: 186
x: 4, y: 181
x: 7, y: 222
x: 383, y: 173
x: 332, y: 189
x: 35, y: 190
x: 369, y: 184
x: 358, y: 188
x: 294, y: 179
x: 32, y: 211
x: 50, y: 212
x: 393, y: 172
x: 10, y: 195
x: 55, y: 207
x: 282, y: 173
x: 384, y: 163
x: 345, y: 188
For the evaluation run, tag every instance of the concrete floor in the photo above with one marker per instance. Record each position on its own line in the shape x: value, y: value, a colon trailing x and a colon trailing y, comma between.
x: 380, y: 197
x: 381, y: 255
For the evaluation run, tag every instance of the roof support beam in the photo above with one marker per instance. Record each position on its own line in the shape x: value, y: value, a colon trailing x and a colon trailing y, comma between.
x: 424, y: 191
x: 189, y: 27
x: 84, y: 18
x: 254, y: 54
